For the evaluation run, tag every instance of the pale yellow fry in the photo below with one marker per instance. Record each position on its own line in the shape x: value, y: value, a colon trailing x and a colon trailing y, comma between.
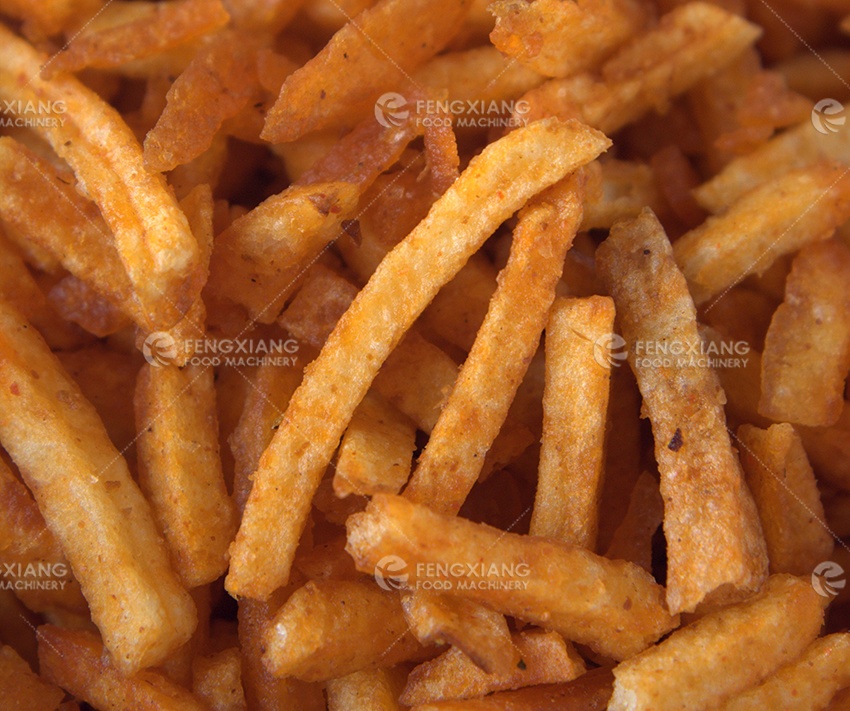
x: 723, y: 653
x: 713, y: 542
x: 575, y: 404
x: 494, y: 186
x: 502, y: 351
x: 373, y: 689
x: 151, y: 233
x: 560, y: 587
x: 776, y: 218
x: 90, y: 502
x: 808, y: 683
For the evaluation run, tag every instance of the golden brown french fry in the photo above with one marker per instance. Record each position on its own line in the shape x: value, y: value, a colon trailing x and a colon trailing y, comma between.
x: 786, y: 494
x: 480, y: 633
x: 75, y: 660
x: 748, y: 237
x: 543, y: 581
x: 52, y: 16
x: 617, y: 189
x: 709, y: 548
x: 21, y: 688
x: 491, y: 374
x: 152, y: 235
x: 807, y: 348
x: 217, y: 680
x: 291, y: 467
x: 90, y: 502
x: 558, y: 39
x: 165, y: 25
x: 376, y: 450
x: 723, y: 653
x: 633, y: 538
x: 807, y: 683
x: 546, y: 659
x: 375, y: 689
x: 374, y: 47
x: 575, y: 404
x: 327, y: 629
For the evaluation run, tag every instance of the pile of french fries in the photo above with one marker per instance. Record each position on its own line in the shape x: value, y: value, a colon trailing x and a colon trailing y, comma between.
x: 447, y: 355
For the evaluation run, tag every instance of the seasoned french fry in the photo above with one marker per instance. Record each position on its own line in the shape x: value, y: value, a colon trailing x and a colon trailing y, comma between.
x: 723, y: 653
x: 21, y: 689
x: 375, y: 689
x: 709, y: 548
x: 561, y: 587
x: 807, y: 348
x: 152, y: 235
x: 575, y: 404
x: 217, y: 680
x: 291, y: 467
x: 786, y: 494
x: 616, y: 190
x: 90, y: 502
x: 546, y: 659
x: 449, y: 467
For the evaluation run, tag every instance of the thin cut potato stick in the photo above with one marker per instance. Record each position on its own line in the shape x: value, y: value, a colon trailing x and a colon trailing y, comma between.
x: 722, y: 653
x: 217, y: 680
x: 807, y: 348
x: 75, y: 660
x: 546, y: 659
x: 373, y: 689
x: 758, y: 228
x: 90, y: 502
x: 807, y: 683
x: 164, y: 26
x: 480, y: 633
x: 503, y: 348
x: 151, y: 233
x: 713, y: 544
x: 786, y: 494
x: 458, y: 223
x: 558, y: 586
x: 21, y: 689
x: 371, y: 51
x: 575, y: 404
x: 633, y: 539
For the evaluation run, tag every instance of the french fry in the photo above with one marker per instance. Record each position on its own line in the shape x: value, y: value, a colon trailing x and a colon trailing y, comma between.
x: 373, y: 46
x: 152, y: 235
x: 291, y: 467
x: 746, y: 239
x: 808, y: 682
x: 558, y: 39
x: 326, y: 629
x: 742, y: 314
x: 217, y: 680
x: 75, y: 660
x: 256, y: 261
x: 449, y: 467
x: 164, y: 26
x: 546, y: 659
x: 616, y: 190
x: 262, y: 15
x: 21, y: 689
x: 52, y: 16
x: 563, y: 588
x: 802, y: 376
x: 575, y: 404
x: 78, y: 303
x: 481, y: 634
x: 376, y: 451
x: 723, y: 653
x: 375, y: 689
x: 633, y: 538
x: 709, y: 548
x: 90, y: 503
x: 786, y: 495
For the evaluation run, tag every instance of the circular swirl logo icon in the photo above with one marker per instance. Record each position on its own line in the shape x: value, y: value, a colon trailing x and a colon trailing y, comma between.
x: 390, y: 111
x: 828, y: 578
x: 389, y: 572
x: 159, y: 348
x: 825, y: 117
x: 608, y: 350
